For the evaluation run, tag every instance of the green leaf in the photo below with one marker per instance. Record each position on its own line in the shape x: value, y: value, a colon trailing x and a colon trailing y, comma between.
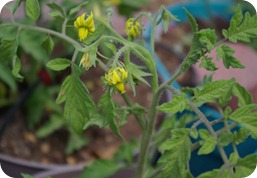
x: 7, y: 77
x: 63, y: 91
x: 57, y: 10
x: 75, y: 142
x: 137, y: 72
x: 208, y: 64
x: 204, y: 134
x: 74, y: 10
x: 101, y: 169
x: 226, y: 53
x: 246, y: 117
x: 192, y: 21
x: 178, y: 104
x: 14, y: 6
x: 194, y: 133
x: 16, y: 69
x: 48, y: 44
x: 216, y: 173
x: 245, y: 166
x: 33, y: 9
x: 208, y: 146
x: 207, y: 37
x: 225, y: 139
x: 212, y: 90
x: 58, y: 64
x: 78, y: 104
x: 241, y: 135
x: 176, y: 154
x: 244, y: 97
x: 241, y: 28
x: 107, y: 108
x: 54, y: 123
x: 8, y: 49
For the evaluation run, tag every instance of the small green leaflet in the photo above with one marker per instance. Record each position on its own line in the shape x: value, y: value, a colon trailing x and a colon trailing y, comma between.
x: 211, y: 91
x: 137, y: 72
x: 208, y: 64
x: 16, y: 69
x: 208, y: 146
x: 57, y: 10
x: 33, y: 9
x: 8, y: 49
x: 14, y: 6
x: 244, y: 97
x: 204, y: 134
x: 48, y: 44
x: 207, y: 37
x: 64, y: 90
x: 7, y: 77
x: 225, y: 139
x: 176, y: 154
x: 241, y: 28
x: 178, y: 104
x: 241, y: 135
x: 58, y: 64
x: 226, y: 53
x: 74, y: 10
x: 192, y: 21
x: 246, y: 117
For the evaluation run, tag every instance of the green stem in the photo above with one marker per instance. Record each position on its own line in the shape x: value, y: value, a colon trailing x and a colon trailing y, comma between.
x: 48, y: 31
x: 64, y: 26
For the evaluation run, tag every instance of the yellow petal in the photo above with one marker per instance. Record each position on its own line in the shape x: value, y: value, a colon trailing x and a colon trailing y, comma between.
x: 115, y: 77
x: 120, y: 87
x: 89, y: 21
x: 83, y: 32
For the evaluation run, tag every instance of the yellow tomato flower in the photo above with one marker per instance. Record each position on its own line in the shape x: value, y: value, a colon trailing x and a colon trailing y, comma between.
x: 85, y: 26
x: 117, y: 76
x: 133, y: 28
x: 85, y: 61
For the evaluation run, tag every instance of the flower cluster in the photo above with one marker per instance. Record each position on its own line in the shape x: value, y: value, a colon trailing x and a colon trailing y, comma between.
x: 85, y: 26
x: 117, y: 76
x: 133, y: 28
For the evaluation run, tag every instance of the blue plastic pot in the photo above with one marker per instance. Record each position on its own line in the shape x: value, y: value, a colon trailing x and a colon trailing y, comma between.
x: 221, y: 9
